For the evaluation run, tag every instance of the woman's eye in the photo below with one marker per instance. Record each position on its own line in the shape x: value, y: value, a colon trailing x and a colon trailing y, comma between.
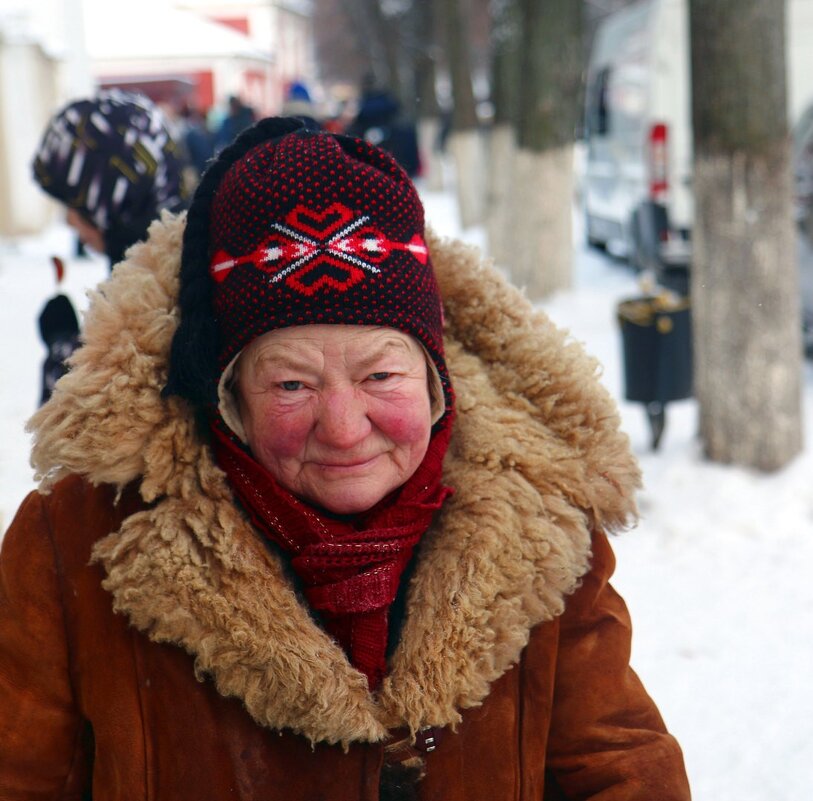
x: 291, y: 386
x: 382, y: 376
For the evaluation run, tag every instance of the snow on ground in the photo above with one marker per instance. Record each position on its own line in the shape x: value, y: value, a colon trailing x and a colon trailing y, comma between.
x: 27, y: 281
x: 716, y: 574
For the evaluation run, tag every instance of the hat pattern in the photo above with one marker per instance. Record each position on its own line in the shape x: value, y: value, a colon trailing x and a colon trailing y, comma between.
x: 318, y: 250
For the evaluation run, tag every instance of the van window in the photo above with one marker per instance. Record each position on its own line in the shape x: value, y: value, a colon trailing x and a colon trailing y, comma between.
x: 598, y: 115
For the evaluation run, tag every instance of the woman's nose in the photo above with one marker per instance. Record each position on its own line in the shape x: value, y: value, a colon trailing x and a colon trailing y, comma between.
x: 343, y: 420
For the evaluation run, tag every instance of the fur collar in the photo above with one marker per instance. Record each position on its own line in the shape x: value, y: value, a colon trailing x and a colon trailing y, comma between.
x: 536, y: 459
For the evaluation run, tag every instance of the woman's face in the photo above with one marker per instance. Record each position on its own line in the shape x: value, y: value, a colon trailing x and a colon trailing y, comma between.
x: 338, y: 414
x: 89, y: 234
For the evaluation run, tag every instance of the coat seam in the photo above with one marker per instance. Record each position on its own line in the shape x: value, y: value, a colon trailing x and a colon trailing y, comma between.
x: 519, y: 780
x: 45, y: 511
x: 139, y: 673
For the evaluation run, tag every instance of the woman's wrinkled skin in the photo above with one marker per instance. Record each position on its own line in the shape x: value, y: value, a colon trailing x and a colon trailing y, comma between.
x: 338, y: 414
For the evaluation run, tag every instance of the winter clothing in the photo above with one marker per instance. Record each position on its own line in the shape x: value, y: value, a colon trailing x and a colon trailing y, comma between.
x: 238, y: 118
x: 350, y: 572
x: 59, y: 330
x: 112, y: 158
x: 213, y: 680
x: 298, y: 103
x: 379, y: 120
x: 346, y: 246
x: 298, y: 93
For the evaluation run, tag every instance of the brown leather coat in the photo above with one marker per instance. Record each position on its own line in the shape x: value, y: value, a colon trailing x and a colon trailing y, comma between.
x: 151, y: 645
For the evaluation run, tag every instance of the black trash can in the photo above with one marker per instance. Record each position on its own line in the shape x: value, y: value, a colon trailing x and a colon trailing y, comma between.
x: 656, y: 338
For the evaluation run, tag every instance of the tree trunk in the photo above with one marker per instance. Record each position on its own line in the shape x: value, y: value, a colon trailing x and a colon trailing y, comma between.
x: 432, y: 169
x: 465, y: 144
x: 501, y: 184
x: 429, y: 120
x: 377, y: 36
x: 505, y: 84
x: 744, y: 285
x: 550, y: 102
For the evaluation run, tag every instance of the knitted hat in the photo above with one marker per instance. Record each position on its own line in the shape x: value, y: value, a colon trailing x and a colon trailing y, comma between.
x: 111, y: 158
x: 294, y: 227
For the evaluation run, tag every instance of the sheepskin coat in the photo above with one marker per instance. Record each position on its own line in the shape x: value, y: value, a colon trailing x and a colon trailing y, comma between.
x: 153, y: 647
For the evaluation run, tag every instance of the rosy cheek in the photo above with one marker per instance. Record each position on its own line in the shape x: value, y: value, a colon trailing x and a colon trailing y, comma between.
x: 404, y: 426
x: 280, y: 433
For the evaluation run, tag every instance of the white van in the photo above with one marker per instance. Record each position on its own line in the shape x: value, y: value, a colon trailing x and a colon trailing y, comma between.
x: 638, y: 127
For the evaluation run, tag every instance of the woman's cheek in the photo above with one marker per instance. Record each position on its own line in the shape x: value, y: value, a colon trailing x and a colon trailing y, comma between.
x: 408, y: 423
x: 281, y: 431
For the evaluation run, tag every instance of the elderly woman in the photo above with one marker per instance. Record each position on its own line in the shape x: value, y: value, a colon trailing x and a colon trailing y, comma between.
x: 275, y: 555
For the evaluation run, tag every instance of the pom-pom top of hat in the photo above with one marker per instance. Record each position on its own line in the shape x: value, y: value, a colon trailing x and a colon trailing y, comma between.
x: 309, y: 227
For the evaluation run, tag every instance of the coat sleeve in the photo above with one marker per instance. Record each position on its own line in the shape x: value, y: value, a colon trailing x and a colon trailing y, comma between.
x: 41, y: 734
x: 607, y: 738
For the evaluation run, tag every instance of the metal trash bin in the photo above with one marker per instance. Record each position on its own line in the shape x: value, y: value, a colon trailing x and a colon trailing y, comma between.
x: 657, y: 349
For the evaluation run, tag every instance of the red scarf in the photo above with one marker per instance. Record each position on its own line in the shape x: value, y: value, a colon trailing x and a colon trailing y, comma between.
x: 350, y: 570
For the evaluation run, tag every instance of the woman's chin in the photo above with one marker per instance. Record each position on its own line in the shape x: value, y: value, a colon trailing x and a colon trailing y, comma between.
x: 349, y: 498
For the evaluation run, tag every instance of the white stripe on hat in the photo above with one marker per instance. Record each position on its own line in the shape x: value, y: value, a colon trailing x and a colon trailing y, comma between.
x: 75, y: 170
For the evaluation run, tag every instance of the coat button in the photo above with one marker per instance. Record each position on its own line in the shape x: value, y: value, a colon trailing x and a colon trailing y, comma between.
x: 427, y: 739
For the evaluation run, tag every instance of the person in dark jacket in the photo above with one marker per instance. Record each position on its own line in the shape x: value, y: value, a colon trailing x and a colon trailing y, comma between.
x: 379, y: 120
x: 110, y: 160
x: 324, y: 514
x: 198, y: 140
x: 239, y: 116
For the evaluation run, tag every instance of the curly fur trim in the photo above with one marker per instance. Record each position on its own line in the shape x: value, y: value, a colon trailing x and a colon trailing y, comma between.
x: 200, y: 578
x: 108, y: 421
x: 536, y: 459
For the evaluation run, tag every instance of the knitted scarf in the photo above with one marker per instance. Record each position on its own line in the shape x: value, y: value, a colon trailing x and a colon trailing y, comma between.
x: 349, y: 567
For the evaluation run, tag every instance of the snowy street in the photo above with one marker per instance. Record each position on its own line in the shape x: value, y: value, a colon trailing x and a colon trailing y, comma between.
x: 717, y: 575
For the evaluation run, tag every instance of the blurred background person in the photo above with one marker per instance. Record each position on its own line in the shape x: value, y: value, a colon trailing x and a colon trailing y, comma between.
x: 238, y: 117
x: 299, y: 103
x: 197, y: 140
x: 112, y: 162
x: 380, y: 121
x: 58, y: 325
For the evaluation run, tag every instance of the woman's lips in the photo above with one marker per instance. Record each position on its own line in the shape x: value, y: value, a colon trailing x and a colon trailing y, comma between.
x: 347, y: 466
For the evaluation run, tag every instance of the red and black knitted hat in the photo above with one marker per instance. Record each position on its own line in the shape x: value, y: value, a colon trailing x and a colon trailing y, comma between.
x: 301, y: 227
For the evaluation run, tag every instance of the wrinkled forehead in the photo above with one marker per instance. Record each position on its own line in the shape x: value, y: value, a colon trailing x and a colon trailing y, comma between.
x: 330, y: 343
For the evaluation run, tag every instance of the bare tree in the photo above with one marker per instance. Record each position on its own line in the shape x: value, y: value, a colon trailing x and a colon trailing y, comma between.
x: 505, y: 83
x: 744, y: 282
x: 341, y: 48
x: 378, y: 34
x: 425, y: 50
x: 465, y: 143
x: 550, y: 106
